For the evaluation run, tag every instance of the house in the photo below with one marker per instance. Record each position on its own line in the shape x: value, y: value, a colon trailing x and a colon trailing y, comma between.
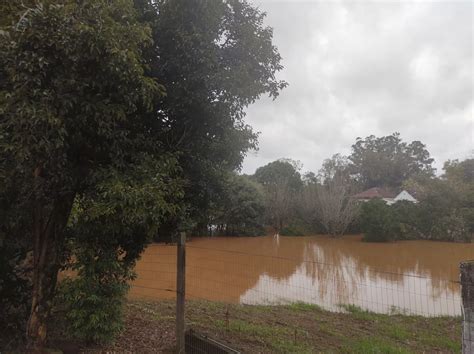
x: 376, y: 193
x: 386, y: 195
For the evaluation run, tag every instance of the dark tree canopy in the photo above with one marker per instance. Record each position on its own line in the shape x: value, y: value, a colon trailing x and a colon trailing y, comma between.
x: 388, y: 161
x: 335, y: 167
x: 282, y: 182
x: 124, y: 114
x: 72, y: 90
x: 214, y: 58
x: 239, y: 209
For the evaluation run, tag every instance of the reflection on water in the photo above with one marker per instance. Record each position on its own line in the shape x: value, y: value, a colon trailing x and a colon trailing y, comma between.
x: 417, y: 277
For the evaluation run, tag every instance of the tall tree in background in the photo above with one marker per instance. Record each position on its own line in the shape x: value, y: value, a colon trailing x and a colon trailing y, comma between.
x: 239, y: 210
x: 72, y: 90
x: 282, y: 183
x: 215, y: 57
x: 335, y: 209
x: 388, y: 161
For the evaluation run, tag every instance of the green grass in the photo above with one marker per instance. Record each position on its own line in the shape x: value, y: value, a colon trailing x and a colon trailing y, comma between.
x: 295, y: 328
x: 360, y: 313
x: 374, y: 345
x: 258, y: 330
x: 303, y: 307
x: 444, y: 343
x: 397, y: 331
x: 285, y: 340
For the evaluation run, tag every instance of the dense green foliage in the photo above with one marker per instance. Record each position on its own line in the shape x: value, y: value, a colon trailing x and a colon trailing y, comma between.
x: 239, y: 209
x: 281, y: 183
x: 378, y: 222
x: 444, y: 211
x: 388, y: 161
x: 108, y: 229
x: 92, y: 308
x: 446, y: 208
x: 95, y: 157
x: 214, y: 58
x: 15, y: 291
x: 297, y: 228
x: 73, y: 88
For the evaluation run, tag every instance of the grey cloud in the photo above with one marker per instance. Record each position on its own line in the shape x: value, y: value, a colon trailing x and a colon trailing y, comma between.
x: 361, y: 68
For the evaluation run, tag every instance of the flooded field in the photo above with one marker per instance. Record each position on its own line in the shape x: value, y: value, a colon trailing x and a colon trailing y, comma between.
x: 416, y: 277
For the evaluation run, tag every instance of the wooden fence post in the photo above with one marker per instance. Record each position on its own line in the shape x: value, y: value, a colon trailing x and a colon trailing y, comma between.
x: 467, y: 294
x: 180, y: 292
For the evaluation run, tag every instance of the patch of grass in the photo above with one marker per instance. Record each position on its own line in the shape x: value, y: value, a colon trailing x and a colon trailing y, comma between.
x: 271, y: 328
x: 398, y: 332
x: 159, y: 317
x: 374, y: 345
x: 303, y: 307
x: 254, y: 329
x: 326, y: 329
x: 440, y: 342
x: 360, y: 313
x: 288, y: 346
x: 280, y: 339
x: 395, y: 310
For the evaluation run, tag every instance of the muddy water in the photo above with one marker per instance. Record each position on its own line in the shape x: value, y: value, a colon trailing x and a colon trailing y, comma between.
x: 418, y: 277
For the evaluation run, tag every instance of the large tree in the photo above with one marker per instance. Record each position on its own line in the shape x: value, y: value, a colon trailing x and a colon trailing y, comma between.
x: 239, y: 209
x: 282, y: 184
x: 215, y: 57
x: 72, y: 95
x: 388, y: 161
x: 335, y: 209
x: 86, y: 125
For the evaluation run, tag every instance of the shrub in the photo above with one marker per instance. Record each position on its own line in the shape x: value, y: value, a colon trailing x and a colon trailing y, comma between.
x: 378, y: 222
x: 15, y: 290
x: 297, y: 228
x: 411, y: 219
x: 452, y: 227
x: 93, y: 300
x: 93, y: 307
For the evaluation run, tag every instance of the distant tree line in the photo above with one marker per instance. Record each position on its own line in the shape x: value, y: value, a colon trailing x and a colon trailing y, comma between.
x: 294, y: 203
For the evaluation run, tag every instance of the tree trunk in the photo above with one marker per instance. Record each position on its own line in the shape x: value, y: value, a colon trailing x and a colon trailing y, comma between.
x: 47, y: 253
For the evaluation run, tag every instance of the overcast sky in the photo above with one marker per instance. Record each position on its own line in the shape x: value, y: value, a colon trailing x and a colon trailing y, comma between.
x: 357, y: 68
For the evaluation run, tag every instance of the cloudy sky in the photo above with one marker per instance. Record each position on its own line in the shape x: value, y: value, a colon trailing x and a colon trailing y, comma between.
x: 357, y: 68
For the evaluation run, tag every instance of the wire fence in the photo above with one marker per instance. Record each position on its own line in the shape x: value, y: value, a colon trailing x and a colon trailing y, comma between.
x: 235, y: 276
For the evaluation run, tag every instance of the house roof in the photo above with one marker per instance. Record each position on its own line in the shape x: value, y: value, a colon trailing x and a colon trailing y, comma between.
x: 375, y: 192
x: 405, y: 195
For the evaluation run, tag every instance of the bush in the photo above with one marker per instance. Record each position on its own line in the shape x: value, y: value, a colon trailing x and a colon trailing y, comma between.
x: 15, y: 291
x: 93, y: 308
x: 412, y: 220
x: 297, y: 228
x: 378, y: 222
x: 452, y: 228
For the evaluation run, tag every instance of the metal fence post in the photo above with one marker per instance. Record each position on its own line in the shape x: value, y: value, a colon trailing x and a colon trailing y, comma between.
x: 467, y: 293
x: 180, y: 292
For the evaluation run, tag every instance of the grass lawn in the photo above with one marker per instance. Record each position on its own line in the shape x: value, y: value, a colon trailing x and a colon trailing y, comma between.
x: 297, y: 328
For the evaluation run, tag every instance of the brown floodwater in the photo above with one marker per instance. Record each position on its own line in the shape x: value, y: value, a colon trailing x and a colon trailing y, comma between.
x: 417, y: 277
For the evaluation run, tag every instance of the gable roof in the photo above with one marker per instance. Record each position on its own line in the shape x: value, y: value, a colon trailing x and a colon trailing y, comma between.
x: 375, y: 192
x: 404, y: 195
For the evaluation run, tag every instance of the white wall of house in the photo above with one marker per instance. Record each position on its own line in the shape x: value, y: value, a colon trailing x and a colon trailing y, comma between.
x: 389, y: 201
x: 404, y: 195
